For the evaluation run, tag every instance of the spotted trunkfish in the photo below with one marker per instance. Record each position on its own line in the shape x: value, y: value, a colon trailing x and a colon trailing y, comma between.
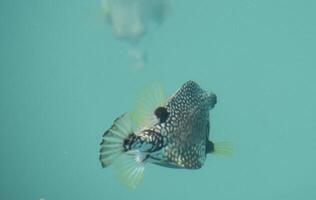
x: 171, y: 132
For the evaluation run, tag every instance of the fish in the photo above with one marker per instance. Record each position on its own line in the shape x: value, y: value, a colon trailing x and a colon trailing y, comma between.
x: 170, y: 132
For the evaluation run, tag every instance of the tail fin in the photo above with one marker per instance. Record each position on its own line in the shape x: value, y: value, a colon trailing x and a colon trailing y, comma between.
x: 223, y: 148
x: 130, y: 165
x: 112, y: 142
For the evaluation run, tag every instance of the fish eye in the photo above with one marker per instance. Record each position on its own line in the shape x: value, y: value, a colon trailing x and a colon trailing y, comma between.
x: 162, y: 114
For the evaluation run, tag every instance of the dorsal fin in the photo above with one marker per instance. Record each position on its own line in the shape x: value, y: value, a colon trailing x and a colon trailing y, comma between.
x: 149, y: 99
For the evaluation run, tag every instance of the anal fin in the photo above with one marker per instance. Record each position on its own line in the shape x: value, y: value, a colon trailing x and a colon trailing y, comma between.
x: 130, y: 168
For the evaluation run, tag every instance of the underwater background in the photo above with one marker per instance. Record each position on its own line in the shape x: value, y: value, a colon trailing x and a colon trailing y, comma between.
x: 64, y: 78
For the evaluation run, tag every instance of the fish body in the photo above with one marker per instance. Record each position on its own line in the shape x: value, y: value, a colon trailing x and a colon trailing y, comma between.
x: 173, y: 133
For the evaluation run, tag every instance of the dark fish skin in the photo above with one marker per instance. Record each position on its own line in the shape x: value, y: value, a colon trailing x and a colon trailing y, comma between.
x: 181, y: 137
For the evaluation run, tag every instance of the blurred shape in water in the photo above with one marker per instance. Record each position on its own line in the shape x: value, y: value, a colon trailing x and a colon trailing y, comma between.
x: 130, y: 20
x: 138, y: 57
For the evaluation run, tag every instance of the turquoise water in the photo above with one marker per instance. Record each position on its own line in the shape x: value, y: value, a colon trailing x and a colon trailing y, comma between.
x: 64, y: 78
